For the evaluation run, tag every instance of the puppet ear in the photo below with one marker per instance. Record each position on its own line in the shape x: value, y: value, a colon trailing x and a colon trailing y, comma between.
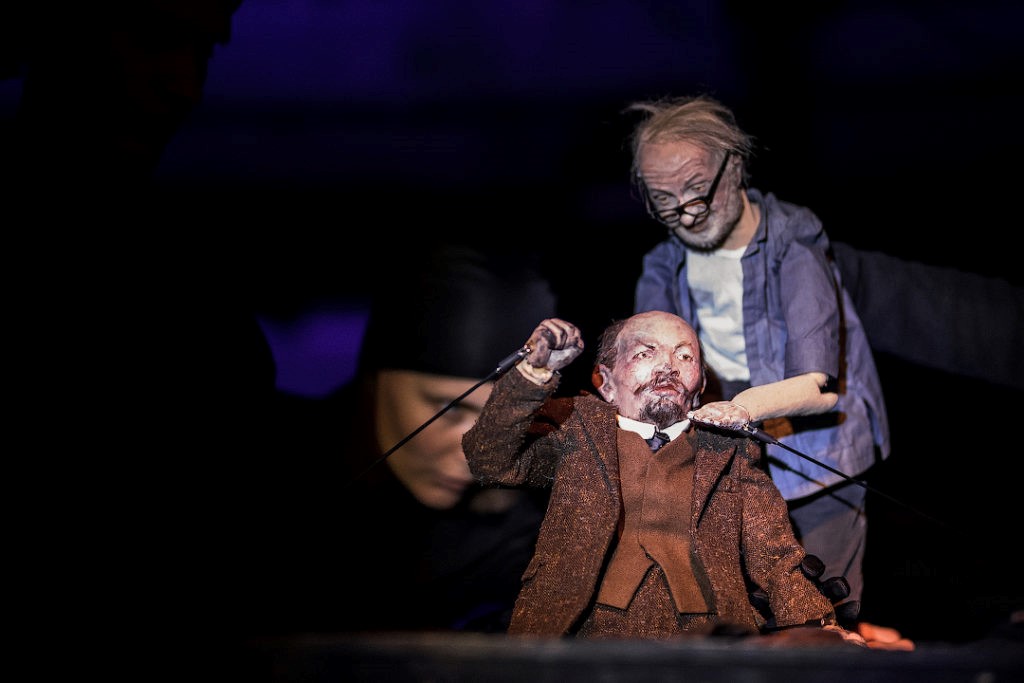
x: 695, y: 401
x: 601, y: 377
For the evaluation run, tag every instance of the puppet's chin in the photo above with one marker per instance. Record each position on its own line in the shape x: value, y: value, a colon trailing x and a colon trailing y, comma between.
x: 663, y: 411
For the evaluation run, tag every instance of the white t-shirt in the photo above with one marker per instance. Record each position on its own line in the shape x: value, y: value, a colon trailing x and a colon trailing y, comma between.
x: 716, y: 284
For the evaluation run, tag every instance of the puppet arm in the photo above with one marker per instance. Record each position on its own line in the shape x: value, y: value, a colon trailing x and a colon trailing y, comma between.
x: 799, y: 395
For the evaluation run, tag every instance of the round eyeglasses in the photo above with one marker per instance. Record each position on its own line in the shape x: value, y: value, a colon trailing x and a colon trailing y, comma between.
x: 697, y: 209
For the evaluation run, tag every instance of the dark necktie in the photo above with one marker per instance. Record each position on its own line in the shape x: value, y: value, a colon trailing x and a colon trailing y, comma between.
x: 658, y: 440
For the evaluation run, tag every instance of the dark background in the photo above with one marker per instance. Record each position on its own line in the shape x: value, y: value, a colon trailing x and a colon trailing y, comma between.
x: 332, y: 136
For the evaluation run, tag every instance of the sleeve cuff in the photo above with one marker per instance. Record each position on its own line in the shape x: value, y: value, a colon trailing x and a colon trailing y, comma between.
x: 538, y: 376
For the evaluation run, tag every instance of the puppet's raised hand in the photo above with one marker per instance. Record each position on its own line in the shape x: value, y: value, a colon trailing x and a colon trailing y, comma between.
x: 554, y: 344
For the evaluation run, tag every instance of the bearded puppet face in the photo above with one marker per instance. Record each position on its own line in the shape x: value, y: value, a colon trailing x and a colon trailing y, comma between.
x: 657, y: 376
x: 678, y: 173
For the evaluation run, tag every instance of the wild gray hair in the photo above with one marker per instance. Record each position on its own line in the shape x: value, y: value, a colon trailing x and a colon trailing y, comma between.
x: 701, y: 119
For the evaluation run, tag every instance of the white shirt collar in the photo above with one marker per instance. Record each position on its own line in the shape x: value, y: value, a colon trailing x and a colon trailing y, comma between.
x: 646, y: 429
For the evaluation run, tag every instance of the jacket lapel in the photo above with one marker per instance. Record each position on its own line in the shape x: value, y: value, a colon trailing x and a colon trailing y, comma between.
x: 710, y: 465
x: 599, y: 426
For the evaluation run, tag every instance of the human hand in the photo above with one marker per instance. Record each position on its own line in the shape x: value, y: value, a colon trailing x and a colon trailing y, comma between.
x: 837, y: 589
x: 554, y: 344
x: 724, y: 414
x: 847, y: 635
x: 883, y: 637
x: 810, y: 635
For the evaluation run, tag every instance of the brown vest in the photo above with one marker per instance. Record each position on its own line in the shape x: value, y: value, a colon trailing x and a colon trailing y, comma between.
x: 656, y: 493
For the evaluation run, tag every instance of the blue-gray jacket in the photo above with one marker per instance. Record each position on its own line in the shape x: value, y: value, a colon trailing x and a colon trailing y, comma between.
x: 793, y: 323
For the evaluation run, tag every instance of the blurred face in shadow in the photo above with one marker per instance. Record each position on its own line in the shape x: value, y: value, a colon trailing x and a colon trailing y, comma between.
x: 431, y: 464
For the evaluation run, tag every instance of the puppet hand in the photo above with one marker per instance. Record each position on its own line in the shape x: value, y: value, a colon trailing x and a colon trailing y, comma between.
x: 554, y: 344
x: 724, y: 414
x: 835, y: 588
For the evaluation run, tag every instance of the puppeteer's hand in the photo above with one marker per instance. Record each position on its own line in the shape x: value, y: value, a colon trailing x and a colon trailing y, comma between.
x: 554, y: 344
x: 847, y: 635
x: 724, y: 414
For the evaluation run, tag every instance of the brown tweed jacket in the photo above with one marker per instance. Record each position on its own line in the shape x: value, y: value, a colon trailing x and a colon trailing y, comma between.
x: 739, y: 520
